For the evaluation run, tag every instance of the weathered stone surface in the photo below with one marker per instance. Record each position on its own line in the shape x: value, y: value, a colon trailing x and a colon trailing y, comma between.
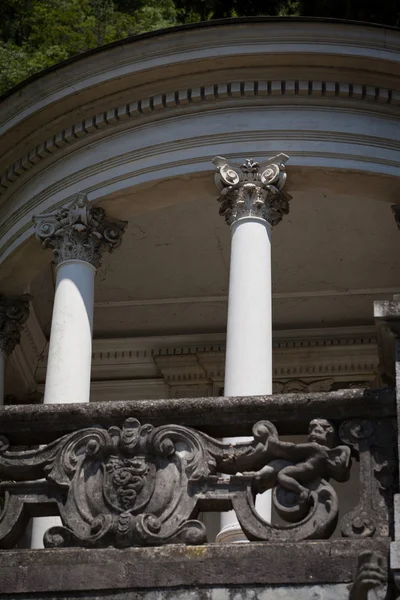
x: 371, y: 579
x: 291, y: 413
x: 143, y: 486
x: 338, y: 591
x: 387, y: 320
x: 256, y: 564
x: 14, y: 311
x: 375, y: 445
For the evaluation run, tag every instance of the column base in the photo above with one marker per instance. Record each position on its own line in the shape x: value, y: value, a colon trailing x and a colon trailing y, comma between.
x: 231, y: 534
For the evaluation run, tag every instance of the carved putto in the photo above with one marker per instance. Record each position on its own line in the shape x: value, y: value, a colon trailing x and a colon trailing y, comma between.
x: 14, y: 312
x: 144, y: 485
x: 79, y: 231
x: 252, y: 189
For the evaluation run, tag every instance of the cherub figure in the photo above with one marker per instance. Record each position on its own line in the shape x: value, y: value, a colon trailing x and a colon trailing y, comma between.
x: 310, y: 460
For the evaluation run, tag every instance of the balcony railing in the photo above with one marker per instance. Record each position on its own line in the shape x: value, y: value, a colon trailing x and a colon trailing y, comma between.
x: 127, y: 475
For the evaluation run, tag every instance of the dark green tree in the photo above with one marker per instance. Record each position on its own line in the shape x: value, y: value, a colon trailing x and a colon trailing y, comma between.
x: 35, y: 34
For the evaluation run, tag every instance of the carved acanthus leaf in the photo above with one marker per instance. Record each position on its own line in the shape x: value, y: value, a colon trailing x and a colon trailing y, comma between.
x: 79, y: 231
x: 252, y: 189
x: 14, y: 312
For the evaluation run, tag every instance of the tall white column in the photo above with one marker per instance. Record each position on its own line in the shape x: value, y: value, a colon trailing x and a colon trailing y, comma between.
x: 14, y: 312
x: 78, y: 235
x: 248, y: 368
x: 252, y: 201
x: 70, y: 349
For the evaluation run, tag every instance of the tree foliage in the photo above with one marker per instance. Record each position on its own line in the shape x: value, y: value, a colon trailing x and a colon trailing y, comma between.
x: 35, y: 34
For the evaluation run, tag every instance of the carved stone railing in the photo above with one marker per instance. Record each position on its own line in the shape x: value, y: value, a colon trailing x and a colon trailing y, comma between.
x: 142, y: 484
x: 136, y: 479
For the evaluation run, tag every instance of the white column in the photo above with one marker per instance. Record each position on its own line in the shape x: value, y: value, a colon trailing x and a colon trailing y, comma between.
x: 70, y: 349
x: 251, y: 202
x: 14, y: 312
x: 78, y: 235
x: 248, y: 365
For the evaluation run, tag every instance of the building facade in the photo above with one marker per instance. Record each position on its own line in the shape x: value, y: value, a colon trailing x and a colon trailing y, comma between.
x: 150, y: 192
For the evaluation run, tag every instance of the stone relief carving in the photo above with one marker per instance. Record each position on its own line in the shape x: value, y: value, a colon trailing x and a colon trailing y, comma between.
x: 141, y: 485
x: 374, y: 443
x: 296, y: 465
x: 252, y: 190
x: 396, y: 214
x: 14, y: 312
x: 371, y: 578
x: 211, y: 93
x: 79, y: 231
x: 295, y: 386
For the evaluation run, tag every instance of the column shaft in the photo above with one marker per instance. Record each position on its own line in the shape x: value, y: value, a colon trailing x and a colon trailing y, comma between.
x: 248, y: 367
x: 248, y: 362
x: 251, y: 202
x: 70, y: 349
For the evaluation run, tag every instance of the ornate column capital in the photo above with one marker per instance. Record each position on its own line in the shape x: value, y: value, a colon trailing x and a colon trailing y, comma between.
x: 252, y: 189
x: 79, y: 231
x: 14, y: 312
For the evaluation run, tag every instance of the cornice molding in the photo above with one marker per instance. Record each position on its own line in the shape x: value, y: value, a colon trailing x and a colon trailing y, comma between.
x: 79, y: 178
x: 268, y: 40
x: 125, y: 166
x: 193, y: 365
x: 163, y: 104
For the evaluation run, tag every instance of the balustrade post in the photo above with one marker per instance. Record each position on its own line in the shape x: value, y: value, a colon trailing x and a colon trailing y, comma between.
x: 252, y: 201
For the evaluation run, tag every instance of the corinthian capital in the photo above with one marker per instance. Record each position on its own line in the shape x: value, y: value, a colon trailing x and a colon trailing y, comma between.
x: 14, y: 311
x: 252, y: 189
x: 79, y: 231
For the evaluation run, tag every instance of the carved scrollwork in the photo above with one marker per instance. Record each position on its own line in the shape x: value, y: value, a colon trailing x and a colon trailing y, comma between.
x: 371, y: 575
x: 298, y: 475
x: 14, y: 312
x: 374, y: 444
x: 140, y: 485
x: 252, y: 189
x: 79, y: 231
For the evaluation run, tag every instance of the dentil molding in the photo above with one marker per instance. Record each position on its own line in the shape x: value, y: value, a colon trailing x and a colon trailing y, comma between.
x: 268, y: 92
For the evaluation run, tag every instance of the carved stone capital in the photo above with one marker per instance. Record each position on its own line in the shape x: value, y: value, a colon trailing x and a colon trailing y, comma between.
x: 252, y: 189
x: 79, y: 231
x: 396, y: 214
x: 14, y: 311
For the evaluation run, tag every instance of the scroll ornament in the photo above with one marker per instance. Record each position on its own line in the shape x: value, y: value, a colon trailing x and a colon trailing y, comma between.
x: 140, y: 485
x: 79, y: 231
x: 252, y: 189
